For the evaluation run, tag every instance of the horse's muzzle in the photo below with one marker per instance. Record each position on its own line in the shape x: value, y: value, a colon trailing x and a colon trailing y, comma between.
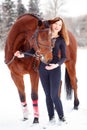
x: 45, y: 59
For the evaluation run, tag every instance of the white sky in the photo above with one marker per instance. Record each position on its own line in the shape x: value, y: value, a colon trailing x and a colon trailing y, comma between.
x: 76, y: 7
x: 72, y: 8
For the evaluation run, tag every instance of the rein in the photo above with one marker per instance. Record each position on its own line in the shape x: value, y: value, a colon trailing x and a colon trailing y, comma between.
x: 8, y: 63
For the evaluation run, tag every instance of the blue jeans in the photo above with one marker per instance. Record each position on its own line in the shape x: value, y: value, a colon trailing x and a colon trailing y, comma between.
x: 50, y: 80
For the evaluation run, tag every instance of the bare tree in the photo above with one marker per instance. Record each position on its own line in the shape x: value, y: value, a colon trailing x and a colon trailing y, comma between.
x: 52, y: 8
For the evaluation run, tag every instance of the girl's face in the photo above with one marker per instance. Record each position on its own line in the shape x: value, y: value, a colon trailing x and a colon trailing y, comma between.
x: 56, y: 27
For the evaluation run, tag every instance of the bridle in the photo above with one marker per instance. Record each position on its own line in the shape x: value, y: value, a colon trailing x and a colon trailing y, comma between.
x: 35, y: 36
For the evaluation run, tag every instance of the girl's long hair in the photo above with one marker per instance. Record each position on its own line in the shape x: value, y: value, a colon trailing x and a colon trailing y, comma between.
x: 63, y: 32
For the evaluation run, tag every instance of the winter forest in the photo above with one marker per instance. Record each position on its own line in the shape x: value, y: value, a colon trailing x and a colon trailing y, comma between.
x: 10, y: 10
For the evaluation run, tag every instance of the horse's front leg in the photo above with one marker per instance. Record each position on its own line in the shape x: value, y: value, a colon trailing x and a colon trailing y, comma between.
x: 19, y: 82
x: 24, y: 105
x: 34, y: 78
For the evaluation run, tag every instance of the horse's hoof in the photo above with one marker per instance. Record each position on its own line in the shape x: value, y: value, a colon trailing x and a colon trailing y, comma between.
x: 76, y: 107
x: 24, y: 119
x: 35, y: 120
x: 76, y: 104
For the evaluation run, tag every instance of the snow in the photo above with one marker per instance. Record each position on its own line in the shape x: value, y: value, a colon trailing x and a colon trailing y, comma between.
x: 10, y: 108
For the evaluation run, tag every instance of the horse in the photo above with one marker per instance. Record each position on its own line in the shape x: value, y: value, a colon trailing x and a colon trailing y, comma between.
x: 28, y: 32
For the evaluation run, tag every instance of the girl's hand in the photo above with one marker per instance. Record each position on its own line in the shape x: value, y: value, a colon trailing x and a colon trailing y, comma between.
x: 51, y: 66
x: 18, y: 54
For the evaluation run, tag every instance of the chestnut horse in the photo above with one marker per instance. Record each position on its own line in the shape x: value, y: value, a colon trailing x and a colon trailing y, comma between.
x: 28, y: 33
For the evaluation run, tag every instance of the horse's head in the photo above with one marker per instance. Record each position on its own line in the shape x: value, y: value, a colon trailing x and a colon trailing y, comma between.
x: 41, y: 42
x: 44, y: 45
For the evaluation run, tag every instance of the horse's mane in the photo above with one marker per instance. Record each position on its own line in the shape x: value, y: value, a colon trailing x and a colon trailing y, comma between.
x: 34, y: 15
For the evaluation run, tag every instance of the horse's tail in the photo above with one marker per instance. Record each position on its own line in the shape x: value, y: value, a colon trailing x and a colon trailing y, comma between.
x: 68, y: 85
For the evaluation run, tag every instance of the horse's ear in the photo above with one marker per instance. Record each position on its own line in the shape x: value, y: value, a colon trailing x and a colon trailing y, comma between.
x: 39, y: 23
x: 46, y: 23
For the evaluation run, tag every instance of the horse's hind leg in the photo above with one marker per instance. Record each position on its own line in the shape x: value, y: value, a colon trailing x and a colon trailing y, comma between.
x: 73, y: 81
x: 19, y: 82
x: 34, y: 78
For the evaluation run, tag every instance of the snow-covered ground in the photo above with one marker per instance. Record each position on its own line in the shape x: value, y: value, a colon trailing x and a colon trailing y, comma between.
x: 10, y: 108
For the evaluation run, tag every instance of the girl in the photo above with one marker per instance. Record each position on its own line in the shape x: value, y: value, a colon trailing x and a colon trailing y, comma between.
x: 50, y: 75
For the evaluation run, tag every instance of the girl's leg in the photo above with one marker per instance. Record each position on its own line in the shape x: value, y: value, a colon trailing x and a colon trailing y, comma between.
x: 55, y: 78
x: 44, y: 76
